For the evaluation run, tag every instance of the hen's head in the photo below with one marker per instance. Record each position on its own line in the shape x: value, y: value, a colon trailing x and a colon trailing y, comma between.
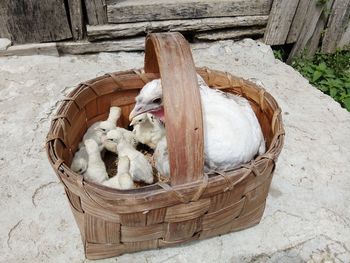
x: 149, y: 100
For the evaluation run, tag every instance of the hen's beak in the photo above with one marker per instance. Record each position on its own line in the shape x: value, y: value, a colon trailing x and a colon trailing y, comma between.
x: 139, y: 109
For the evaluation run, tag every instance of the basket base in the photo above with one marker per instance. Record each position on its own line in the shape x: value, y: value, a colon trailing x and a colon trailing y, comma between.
x: 107, y: 250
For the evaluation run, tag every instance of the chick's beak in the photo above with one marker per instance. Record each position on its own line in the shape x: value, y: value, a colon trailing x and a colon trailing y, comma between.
x: 132, y: 121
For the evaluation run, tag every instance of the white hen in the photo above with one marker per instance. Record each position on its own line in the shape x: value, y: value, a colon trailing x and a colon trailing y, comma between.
x: 232, y: 134
x: 140, y: 168
x: 161, y: 158
x: 96, y: 171
x: 147, y: 129
x: 123, y: 179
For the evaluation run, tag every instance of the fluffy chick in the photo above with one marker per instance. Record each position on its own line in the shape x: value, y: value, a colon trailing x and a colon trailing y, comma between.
x: 123, y: 179
x: 80, y: 161
x: 94, y: 132
x: 111, y: 122
x: 140, y: 168
x: 96, y: 171
x: 147, y: 129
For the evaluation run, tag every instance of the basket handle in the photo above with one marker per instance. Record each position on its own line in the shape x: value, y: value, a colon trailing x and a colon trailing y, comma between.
x: 170, y: 55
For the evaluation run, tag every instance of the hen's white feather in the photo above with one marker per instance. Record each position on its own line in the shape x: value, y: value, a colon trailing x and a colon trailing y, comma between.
x: 161, y: 158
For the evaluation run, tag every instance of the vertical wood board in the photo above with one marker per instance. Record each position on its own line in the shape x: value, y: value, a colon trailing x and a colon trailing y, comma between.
x: 96, y: 12
x: 280, y: 20
x: 76, y: 18
x: 336, y: 26
x: 29, y: 21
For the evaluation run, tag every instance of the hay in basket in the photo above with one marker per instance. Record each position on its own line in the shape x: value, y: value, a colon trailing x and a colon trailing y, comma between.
x: 193, y: 205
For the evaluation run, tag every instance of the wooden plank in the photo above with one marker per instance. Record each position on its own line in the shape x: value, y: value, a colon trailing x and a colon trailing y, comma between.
x: 231, y: 34
x: 4, y: 33
x: 112, y: 31
x: 96, y: 12
x: 314, y: 41
x: 345, y: 39
x: 280, y: 20
x: 76, y: 47
x: 34, y: 21
x: 298, y: 21
x: 85, y: 47
x: 152, y: 10
x: 313, y: 15
x: 48, y: 49
x: 76, y: 18
x: 336, y: 26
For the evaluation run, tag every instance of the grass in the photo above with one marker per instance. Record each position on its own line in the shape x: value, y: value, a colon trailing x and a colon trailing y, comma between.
x: 330, y: 73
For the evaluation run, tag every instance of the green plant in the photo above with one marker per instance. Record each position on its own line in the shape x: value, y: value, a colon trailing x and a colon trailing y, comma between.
x: 330, y: 73
x: 278, y: 53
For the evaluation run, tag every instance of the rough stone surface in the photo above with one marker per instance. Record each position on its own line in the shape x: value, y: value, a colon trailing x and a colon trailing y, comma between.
x: 4, y: 43
x: 307, y: 218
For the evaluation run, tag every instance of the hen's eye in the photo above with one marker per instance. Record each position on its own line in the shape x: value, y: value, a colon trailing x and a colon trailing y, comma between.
x: 103, y: 130
x: 157, y: 101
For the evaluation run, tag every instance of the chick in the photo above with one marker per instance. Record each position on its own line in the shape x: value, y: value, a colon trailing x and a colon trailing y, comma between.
x: 96, y: 171
x: 123, y: 179
x: 147, y: 129
x: 161, y: 158
x: 95, y: 132
x: 111, y: 122
x: 128, y: 136
x: 80, y: 161
x: 140, y: 168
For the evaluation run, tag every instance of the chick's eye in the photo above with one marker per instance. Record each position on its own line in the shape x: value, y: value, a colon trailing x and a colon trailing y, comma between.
x: 157, y: 101
x: 103, y: 130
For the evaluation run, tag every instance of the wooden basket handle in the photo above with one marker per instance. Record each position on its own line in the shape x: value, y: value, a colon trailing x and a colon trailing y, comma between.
x: 170, y: 55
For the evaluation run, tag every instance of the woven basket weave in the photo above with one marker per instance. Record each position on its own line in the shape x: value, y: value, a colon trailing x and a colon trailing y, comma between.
x: 195, y: 205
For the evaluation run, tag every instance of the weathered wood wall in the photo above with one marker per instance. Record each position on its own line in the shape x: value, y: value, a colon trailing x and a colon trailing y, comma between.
x: 309, y: 25
x: 204, y: 20
x: 306, y: 24
x: 142, y: 10
x: 336, y: 26
x: 96, y: 11
x: 27, y: 21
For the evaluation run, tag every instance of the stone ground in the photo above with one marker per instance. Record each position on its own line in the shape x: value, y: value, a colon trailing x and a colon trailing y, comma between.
x: 307, y: 218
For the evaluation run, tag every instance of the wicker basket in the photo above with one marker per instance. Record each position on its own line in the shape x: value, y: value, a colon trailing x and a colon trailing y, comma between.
x: 195, y: 205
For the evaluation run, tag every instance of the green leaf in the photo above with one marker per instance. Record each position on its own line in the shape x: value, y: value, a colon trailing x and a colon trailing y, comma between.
x: 347, y: 103
x: 322, y: 66
x: 323, y: 88
x: 316, y: 76
x: 333, y: 92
